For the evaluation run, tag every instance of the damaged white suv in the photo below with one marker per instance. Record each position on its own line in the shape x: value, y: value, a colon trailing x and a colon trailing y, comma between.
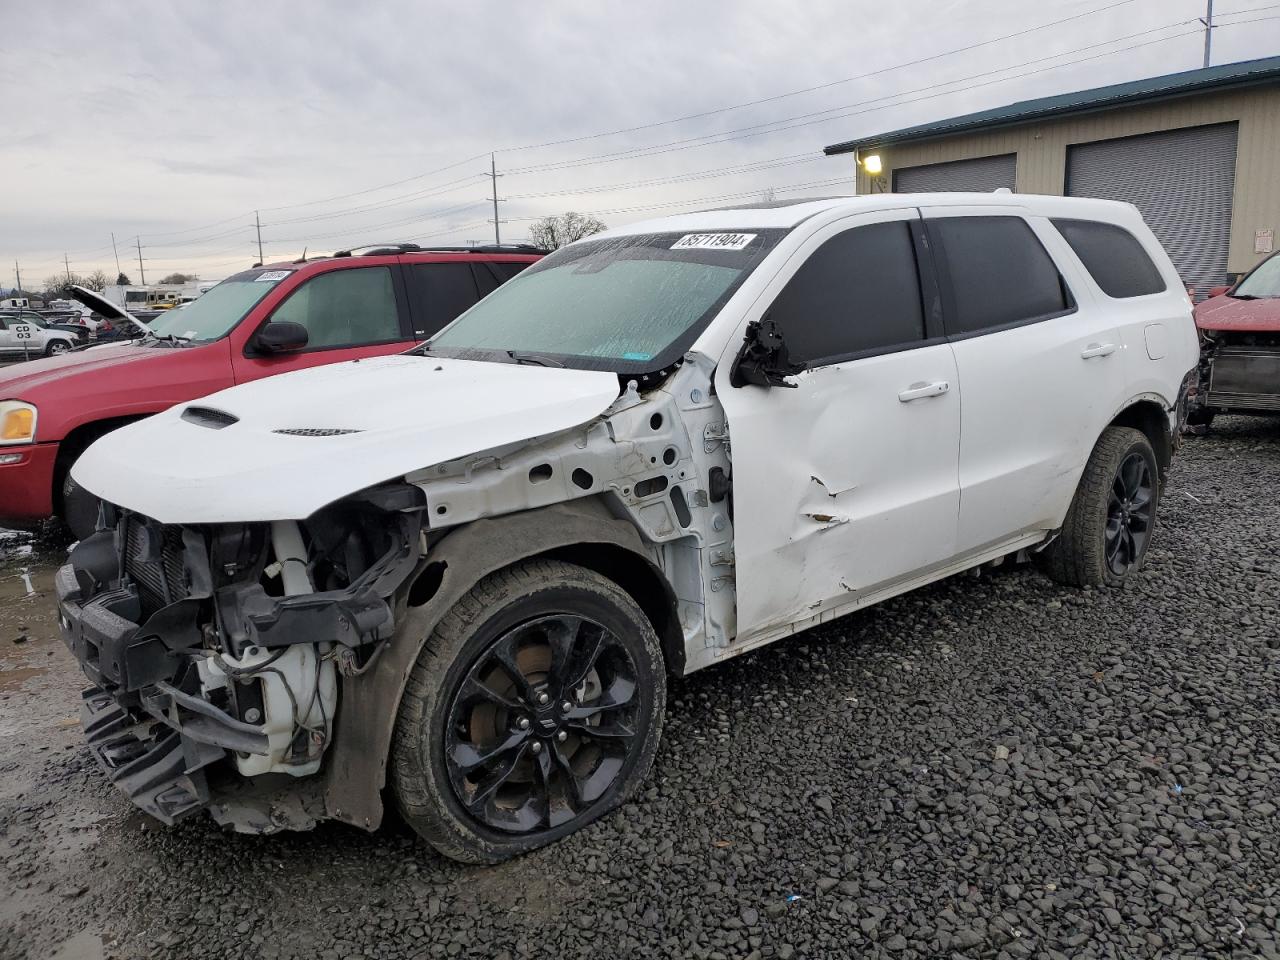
x: 465, y: 572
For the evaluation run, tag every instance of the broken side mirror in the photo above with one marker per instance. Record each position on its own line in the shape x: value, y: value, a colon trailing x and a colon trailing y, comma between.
x: 763, y: 359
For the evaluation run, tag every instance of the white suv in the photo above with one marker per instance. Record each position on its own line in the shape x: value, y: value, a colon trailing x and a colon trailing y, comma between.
x: 24, y: 338
x: 469, y: 569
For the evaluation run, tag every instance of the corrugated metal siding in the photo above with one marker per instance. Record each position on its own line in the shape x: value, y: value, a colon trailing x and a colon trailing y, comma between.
x: 980, y: 176
x: 1182, y: 182
x: 1042, y: 152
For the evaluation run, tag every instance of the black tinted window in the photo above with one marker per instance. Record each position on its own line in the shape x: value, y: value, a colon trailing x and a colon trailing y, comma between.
x: 858, y: 291
x: 1113, y: 256
x: 439, y: 292
x: 490, y: 276
x: 999, y: 273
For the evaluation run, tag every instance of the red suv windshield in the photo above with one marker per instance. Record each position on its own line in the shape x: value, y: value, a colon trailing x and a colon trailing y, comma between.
x: 215, y: 313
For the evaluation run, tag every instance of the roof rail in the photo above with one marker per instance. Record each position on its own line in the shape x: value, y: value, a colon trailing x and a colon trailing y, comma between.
x: 387, y: 249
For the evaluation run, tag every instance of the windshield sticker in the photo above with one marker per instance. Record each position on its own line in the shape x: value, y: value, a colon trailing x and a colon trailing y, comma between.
x: 272, y: 275
x: 713, y: 241
x: 637, y: 356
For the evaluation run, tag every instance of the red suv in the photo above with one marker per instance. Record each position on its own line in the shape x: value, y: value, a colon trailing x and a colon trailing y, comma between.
x: 258, y: 323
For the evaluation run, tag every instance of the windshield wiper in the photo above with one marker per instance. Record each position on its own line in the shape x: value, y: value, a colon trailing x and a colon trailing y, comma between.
x: 536, y: 359
x: 166, y: 338
x: 1247, y: 296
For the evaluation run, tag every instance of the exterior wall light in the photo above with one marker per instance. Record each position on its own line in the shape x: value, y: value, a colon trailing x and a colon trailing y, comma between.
x: 871, y: 164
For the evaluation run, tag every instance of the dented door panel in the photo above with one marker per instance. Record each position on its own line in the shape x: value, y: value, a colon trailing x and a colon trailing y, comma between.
x: 840, y: 486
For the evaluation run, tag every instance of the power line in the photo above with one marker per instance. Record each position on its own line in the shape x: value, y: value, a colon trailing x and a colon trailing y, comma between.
x: 759, y: 129
x: 380, y: 226
x: 784, y: 188
x: 820, y: 86
x: 673, y: 120
x: 792, y: 122
x: 777, y: 125
x: 390, y: 202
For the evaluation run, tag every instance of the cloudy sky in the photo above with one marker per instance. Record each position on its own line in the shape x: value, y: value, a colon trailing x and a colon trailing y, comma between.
x: 349, y: 123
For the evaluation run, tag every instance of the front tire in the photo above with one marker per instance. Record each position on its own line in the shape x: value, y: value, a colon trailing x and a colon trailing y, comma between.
x: 79, y: 508
x: 1108, y: 528
x: 56, y: 348
x: 534, y: 708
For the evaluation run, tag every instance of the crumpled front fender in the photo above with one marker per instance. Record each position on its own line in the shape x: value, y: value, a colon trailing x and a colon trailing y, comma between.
x: 355, y: 770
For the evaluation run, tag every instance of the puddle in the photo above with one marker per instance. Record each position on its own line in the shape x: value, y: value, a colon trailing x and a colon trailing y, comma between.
x: 23, y: 548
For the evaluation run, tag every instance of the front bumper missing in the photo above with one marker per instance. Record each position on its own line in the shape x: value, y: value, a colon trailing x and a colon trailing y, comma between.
x: 152, y: 740
x: 157, y: 768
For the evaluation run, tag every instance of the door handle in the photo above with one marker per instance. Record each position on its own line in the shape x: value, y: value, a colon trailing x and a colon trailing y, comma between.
x: 919, y: 391
x: 1098, y: 350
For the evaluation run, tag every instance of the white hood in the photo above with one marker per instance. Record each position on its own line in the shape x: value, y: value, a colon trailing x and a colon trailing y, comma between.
x: 410, y: 412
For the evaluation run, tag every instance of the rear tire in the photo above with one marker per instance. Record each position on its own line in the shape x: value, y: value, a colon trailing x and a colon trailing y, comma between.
x: 1109, y: 525
x: 534, y: 708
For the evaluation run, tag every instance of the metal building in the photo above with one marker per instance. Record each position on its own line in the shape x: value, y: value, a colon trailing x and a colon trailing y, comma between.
x: 1197, y: 152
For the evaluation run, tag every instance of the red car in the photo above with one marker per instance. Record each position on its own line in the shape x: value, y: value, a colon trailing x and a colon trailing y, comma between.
x: 261, y: 322
x: 1240, y: 346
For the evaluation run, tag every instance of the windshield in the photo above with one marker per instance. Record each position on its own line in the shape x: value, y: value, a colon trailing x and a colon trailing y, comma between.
x: 212, y: 315
x: 1263, y: 282
x: 629, y: 304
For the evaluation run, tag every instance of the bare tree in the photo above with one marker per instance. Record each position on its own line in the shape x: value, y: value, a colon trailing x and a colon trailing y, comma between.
x: 96, y: 281
x: 552, y: 233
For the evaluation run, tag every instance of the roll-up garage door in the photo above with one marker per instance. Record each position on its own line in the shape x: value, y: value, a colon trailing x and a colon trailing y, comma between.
x: 978, y: 176
x: 1181, y: 180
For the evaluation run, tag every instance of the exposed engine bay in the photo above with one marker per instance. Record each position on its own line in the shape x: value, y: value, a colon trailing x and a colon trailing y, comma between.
x: 207, y: 643
x: 221, y: 654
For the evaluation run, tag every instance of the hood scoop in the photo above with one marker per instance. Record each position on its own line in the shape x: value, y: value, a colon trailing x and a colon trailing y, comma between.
x: 209, y: 417
x: 315, y: 432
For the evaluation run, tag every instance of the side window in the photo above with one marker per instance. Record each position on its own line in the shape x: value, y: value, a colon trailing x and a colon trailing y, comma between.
x: 1113, y: 256
x: 859, y: 291
x: 999, y: 273
x: 490, y: 276
x: 345, y: 308
x: 439, y: 292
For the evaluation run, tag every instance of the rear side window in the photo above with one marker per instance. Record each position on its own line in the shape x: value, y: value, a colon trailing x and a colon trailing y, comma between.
x: 439, y: 292
x: 490, y: 276
x: 345, y: 308
x: 858, y: 292
x: 999, y: 274
x: 1113, y: 256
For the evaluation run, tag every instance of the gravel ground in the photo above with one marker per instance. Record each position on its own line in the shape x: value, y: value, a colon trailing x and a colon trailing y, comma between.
x: 991, y: 767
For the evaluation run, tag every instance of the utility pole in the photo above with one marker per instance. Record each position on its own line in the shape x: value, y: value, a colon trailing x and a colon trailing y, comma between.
x: 493, y: 175
x: 142, y: 274
x: 116, y: 252
x: 1207, y: 20
x: 258, y: 223
x: 66, y: 263
x: 17, y: 273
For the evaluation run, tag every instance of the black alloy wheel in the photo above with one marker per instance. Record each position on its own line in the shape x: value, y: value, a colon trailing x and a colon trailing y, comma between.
x: 1109, y: 525
x: 533, y: 709
x: 542, y: 724
x: 1129, y: 514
